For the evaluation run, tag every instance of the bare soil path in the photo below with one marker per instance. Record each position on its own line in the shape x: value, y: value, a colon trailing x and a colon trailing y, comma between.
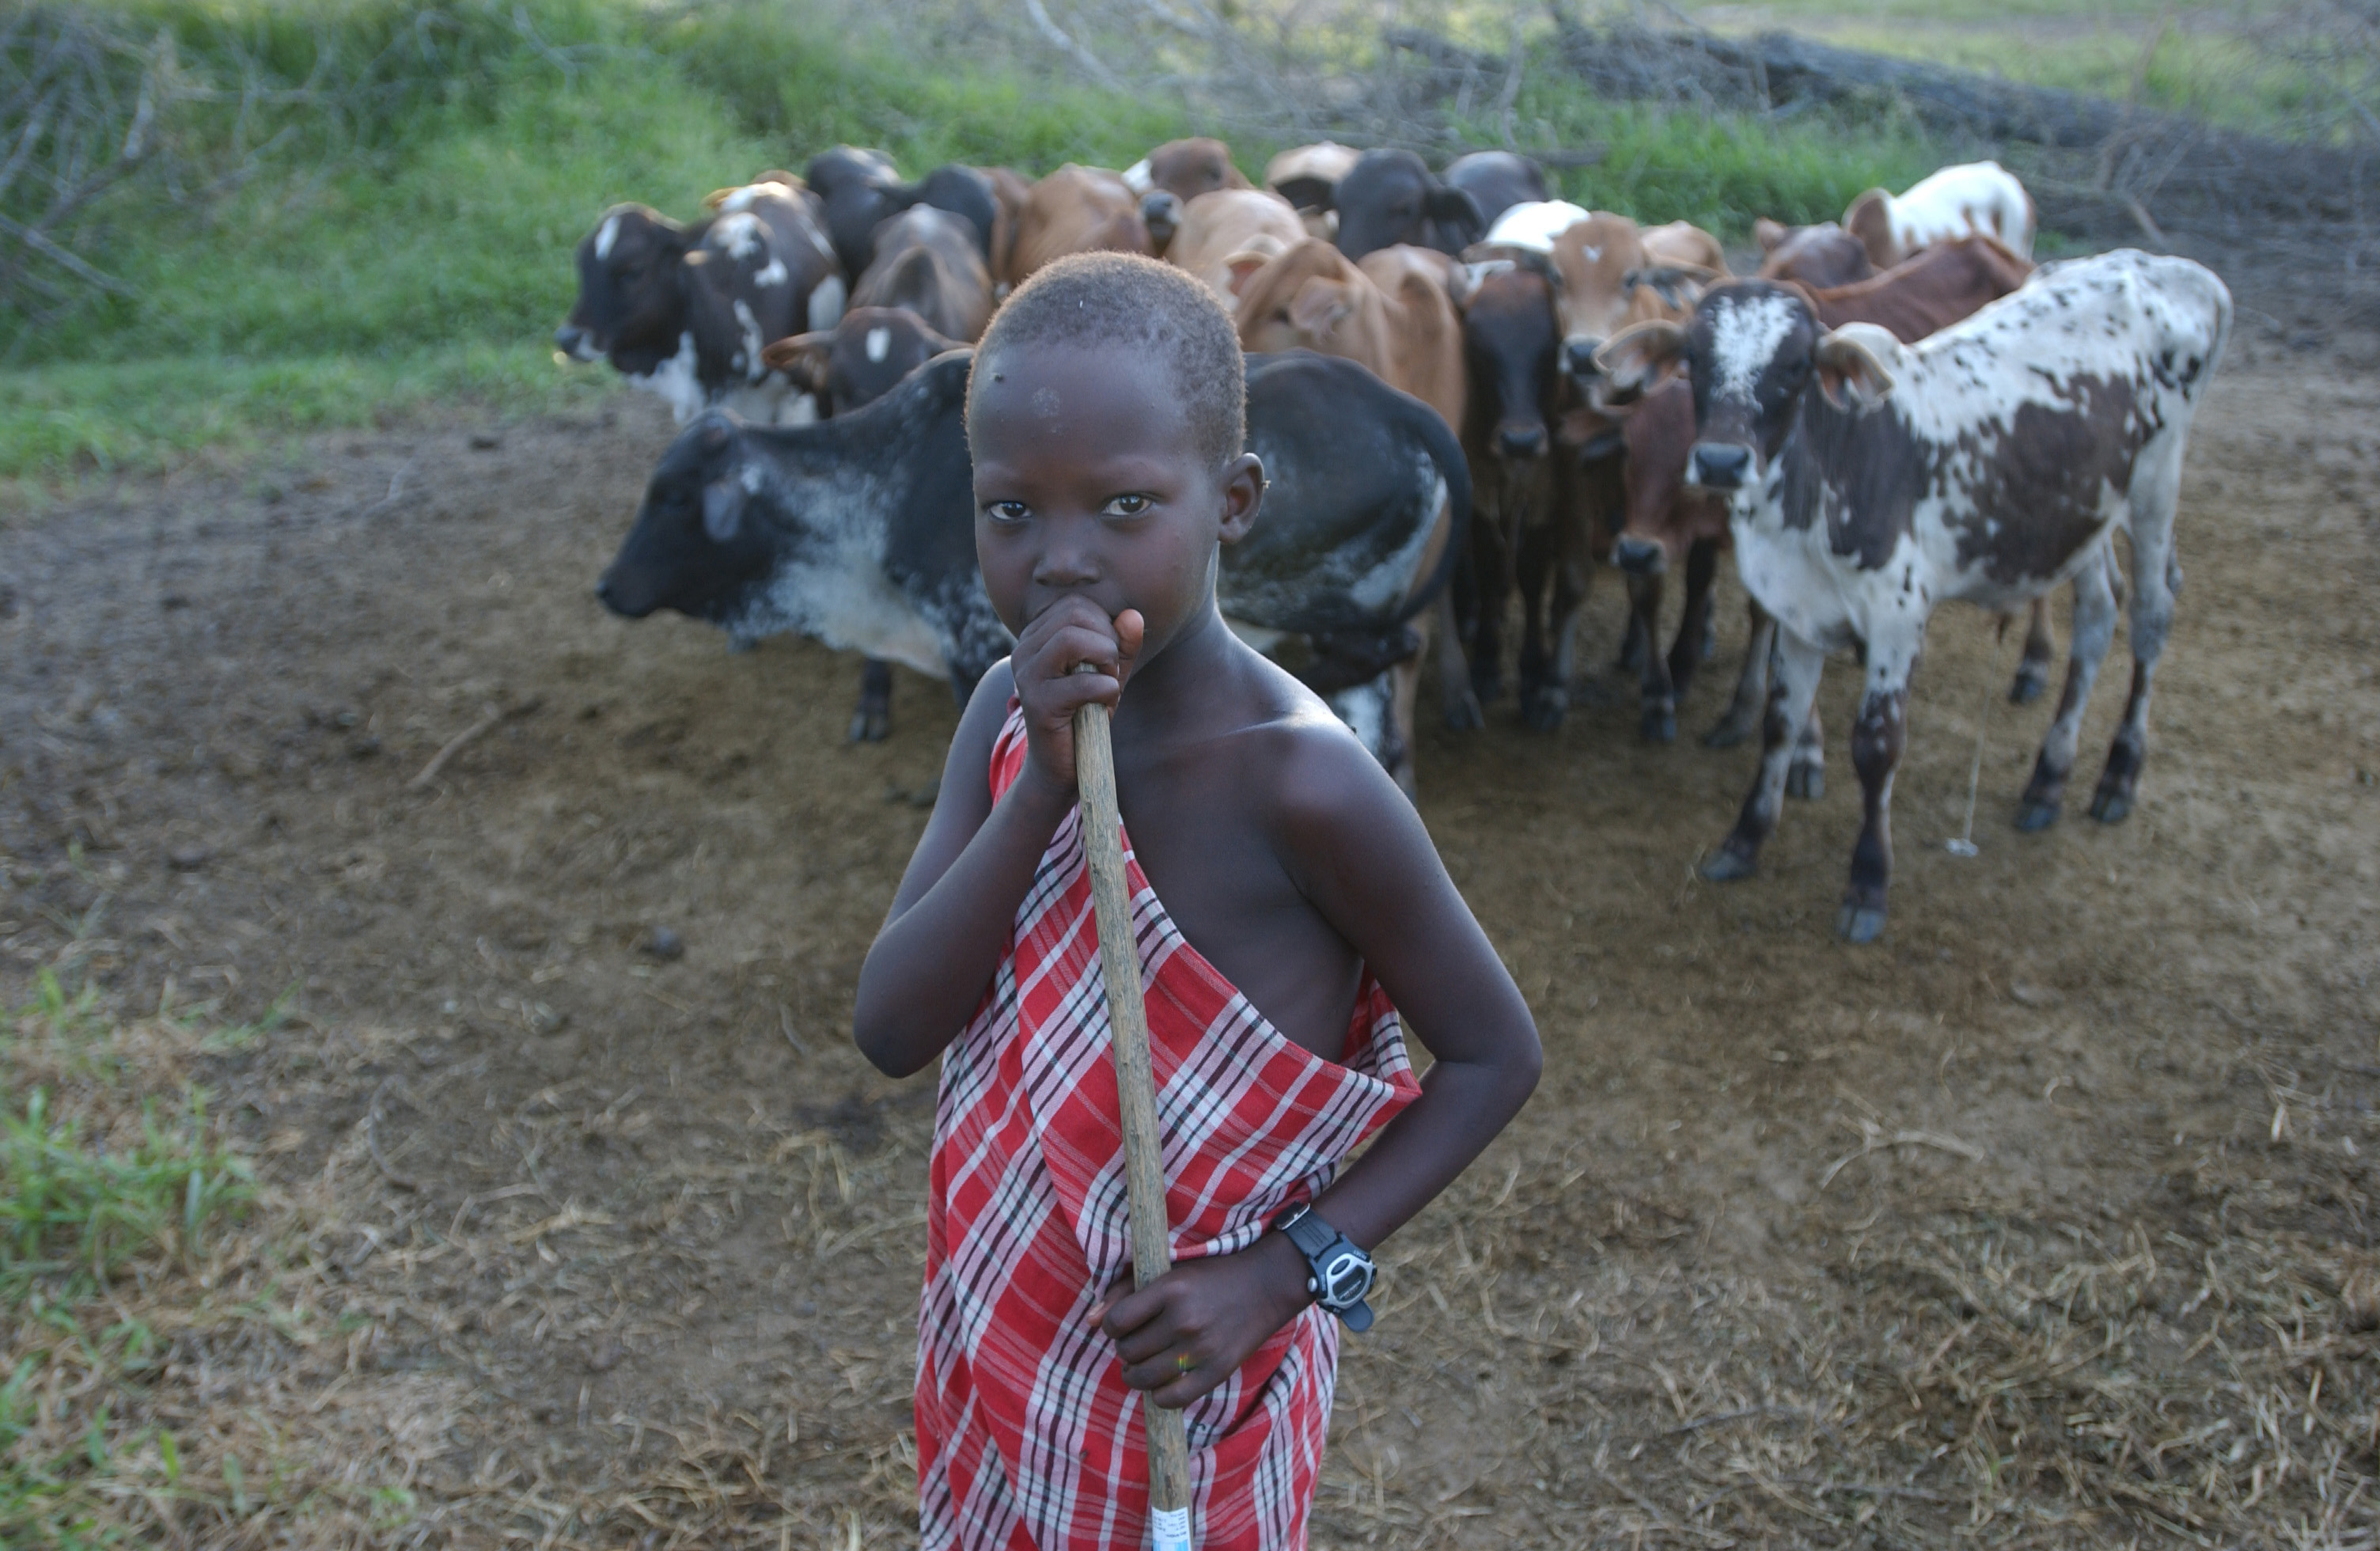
x: 2040, y: 1223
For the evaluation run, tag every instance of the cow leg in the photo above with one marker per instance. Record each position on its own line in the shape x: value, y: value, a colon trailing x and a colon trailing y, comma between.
x: 1658, y: 719
x: 1792, y: 683
x: 1404, y: 690
x: 2154, y: 572
x: 2040, y: 646
x: 1743, y: 718
x: 1805, y: 778
x: 1492, y: 566
x: 1878, y: 739
x: 1634, y: 644
x: 2094, y: 628
x: 1574, y: 573
x: 1694, y: 631
x: 1533, y: 566
x: 872, y: 723
x: 1460, y: 704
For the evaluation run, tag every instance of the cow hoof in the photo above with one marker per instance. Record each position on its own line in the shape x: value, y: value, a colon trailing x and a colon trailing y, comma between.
x: 2031, y: 679
x: 1659, y: 727
x: 1463, y: 715
x: 2111, y: 808
x: 2035, y: 816
x: 1729, y: 734
x: 1806, y: 781
x: 1860, y: 923
x: 870, y: 727
x: 1726, y: 864
x: 1545, y: 708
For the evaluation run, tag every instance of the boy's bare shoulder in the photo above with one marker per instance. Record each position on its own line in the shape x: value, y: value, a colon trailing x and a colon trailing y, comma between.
x: 1299, y: 765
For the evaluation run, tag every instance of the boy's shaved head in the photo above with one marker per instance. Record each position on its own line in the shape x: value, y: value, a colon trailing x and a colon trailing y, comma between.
x: 1095, y: 300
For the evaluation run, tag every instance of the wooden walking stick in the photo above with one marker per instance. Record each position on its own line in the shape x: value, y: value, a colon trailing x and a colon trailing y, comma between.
x: 1144, y: 1156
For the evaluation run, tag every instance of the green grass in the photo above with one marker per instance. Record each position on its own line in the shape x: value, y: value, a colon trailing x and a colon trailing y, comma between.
x: 71, y: 1207
x: 412, y: 251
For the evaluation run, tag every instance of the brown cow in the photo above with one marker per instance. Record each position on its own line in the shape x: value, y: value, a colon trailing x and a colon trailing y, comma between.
x: 1391, y: 314
x: 1531, y: 523
x: 1075, y: 209
x: 1168, y: 179
x: 1612, y: 275
x: 1821, y: 256
x: 929, y: 262
x: 1668, y: 520
x: 1228, y: 235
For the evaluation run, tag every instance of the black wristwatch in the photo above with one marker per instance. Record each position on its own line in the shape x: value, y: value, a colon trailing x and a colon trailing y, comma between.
x: 1338, y: 1272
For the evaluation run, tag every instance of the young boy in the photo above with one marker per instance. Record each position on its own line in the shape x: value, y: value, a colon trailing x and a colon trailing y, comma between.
x: 1288, y: 902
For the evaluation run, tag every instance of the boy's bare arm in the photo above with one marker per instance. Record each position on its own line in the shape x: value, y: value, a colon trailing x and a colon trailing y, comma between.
x: 1357, y: 850
x: 950, y: 921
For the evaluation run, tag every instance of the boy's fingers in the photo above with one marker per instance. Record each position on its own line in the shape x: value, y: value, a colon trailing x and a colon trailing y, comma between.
x: 1130, y: 630
x: 1129, y: 1312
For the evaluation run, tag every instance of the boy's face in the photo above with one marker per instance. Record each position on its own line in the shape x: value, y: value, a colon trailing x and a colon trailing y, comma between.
x: 1088, y: 480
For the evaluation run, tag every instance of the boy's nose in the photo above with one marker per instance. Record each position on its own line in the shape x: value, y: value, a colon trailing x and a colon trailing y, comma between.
x: 1066, y: 565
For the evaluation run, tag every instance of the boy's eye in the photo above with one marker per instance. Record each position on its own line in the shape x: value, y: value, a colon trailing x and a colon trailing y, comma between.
x: 1007, y: 511
x: 1129, y: 505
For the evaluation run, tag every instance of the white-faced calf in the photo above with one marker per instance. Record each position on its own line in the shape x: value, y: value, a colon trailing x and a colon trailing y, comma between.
x: 1871, y: 480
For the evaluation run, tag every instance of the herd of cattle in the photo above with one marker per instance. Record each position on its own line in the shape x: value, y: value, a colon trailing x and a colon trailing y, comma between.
x: 1460, y: 388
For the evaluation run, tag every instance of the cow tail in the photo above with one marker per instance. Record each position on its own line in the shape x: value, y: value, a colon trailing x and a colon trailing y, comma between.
x: 1445, y: 450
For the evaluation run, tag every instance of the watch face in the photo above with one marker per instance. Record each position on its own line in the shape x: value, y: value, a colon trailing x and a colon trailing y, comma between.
x: 1346, y: 1276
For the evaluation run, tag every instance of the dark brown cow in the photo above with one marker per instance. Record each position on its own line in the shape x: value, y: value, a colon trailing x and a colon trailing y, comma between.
x: 1822, y: 254
x: 928, y: 261
x: 1536, y: 522
x: 1669, y: 521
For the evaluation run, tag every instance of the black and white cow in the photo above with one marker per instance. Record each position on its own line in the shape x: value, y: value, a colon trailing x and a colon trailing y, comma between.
x: 859, y: 531
x: 1991, y: 462
x: 685, y: 310
x: 861, y: 189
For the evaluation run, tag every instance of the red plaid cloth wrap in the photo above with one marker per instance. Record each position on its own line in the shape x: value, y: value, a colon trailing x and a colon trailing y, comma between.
x: 1028, y: 1437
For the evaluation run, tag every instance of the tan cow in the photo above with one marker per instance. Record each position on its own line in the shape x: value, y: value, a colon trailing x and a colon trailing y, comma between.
x: 1228, y: 235
x: 1615, y: 273
x: 1075, y: 209
x: 1391, y: 314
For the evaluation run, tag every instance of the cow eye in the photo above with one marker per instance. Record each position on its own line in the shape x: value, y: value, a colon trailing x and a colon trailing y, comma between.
x: 1128, y: 505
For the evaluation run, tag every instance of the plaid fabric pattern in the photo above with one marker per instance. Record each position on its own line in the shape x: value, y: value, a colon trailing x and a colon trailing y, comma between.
x: 1028, y: 1437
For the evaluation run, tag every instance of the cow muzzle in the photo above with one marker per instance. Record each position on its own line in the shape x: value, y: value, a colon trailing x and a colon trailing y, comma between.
x: 1639, y: 556
x: 625, y: 596
x: 576, y: 343
x: 1160, y: 212
x: 1521, y: 442
x: 1719, y: 465
x: 1578, y: 358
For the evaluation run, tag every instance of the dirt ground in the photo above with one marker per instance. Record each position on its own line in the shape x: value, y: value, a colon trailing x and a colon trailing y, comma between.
x: 2042, y: 1222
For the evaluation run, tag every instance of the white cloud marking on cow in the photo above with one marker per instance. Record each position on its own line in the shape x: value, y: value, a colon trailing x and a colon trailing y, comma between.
x: 1744, y: 339
x: 772, y: 273
x: 738, y: 233
x: 835, y: 591
x: 826, y: 303
x: 605, y: 235
x: 879, y: 344
x: 1534, y: 224
x: 1137, y: 178
x: 748, y: 358
x: 673, y: 381
x: 740, y: 199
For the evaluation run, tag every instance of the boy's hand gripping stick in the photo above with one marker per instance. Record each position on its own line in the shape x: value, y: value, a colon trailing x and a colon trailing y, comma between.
x: 1143, y: 1158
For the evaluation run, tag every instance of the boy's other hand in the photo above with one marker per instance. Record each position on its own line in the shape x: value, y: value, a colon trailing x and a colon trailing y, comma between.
x: 1069, y: 631
x: 1213, y: 1312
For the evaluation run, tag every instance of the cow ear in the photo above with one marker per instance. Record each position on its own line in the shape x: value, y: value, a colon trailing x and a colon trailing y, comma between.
x: 801, y: 357
x: 1768, y: 234
x: 1634, y: 360
x: 1678, y: 285
x: 1455, y: 207
x: 1318, y: 307
x: 1850, y: 372
x: 723, y: 509
x: 1244, y: 266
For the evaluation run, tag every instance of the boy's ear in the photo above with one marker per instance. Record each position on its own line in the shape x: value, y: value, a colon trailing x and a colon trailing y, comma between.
x: 1244, y: 483
x: 1318, y: 306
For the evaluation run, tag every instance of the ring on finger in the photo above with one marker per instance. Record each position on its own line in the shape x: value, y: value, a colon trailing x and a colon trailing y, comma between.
x: 1183, y: 1362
